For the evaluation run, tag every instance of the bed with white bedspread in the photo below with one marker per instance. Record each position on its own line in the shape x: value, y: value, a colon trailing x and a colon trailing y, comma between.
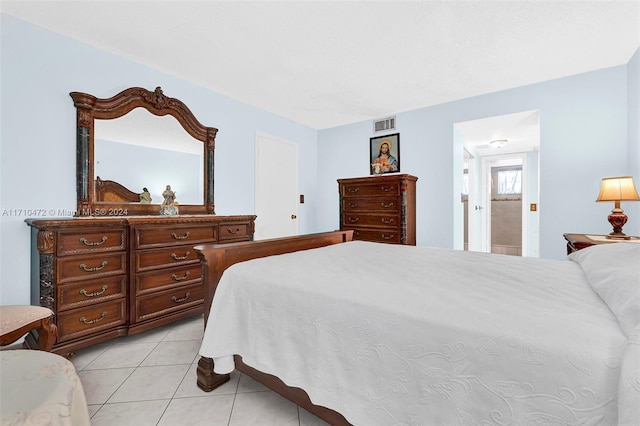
x: 400, y: 335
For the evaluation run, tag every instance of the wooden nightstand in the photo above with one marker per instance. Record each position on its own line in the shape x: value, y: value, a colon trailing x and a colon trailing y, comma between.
x: 577, y: 242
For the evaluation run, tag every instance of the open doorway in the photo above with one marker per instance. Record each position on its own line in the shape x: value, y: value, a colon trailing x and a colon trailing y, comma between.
x: 499, y: 201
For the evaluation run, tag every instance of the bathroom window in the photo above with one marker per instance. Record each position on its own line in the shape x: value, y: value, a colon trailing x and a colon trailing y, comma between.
x: 510, y: 181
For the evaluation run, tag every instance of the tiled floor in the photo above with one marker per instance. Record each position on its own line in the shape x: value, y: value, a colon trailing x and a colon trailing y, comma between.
x: 150, y: 379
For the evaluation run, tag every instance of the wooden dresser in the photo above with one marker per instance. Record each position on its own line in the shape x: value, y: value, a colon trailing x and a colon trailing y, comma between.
x: 109, y: 277
x: 379, y: 208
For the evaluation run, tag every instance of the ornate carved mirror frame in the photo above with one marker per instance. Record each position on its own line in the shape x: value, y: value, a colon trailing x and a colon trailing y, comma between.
x: 89, y: 108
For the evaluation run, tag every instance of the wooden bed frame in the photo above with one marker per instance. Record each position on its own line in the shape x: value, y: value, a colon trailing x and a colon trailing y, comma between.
x: 215, y: 258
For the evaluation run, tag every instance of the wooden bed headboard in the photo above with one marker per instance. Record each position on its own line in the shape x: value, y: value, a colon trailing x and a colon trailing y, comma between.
x: 113, y: 192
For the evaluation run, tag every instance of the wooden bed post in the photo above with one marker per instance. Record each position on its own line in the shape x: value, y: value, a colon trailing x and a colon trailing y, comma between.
x: 207, y: 379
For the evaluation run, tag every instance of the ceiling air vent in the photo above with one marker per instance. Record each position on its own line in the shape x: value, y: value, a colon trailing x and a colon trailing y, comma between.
x: 384, y: 124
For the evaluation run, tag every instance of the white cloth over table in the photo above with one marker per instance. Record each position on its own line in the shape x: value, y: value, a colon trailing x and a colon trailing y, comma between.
x: 398, y: 335
x: 40, y: 388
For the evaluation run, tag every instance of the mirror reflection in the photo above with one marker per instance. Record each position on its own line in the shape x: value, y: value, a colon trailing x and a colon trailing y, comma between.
x: 141, y: 150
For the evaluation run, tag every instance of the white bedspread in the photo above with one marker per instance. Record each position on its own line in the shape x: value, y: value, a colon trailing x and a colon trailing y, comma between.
x: 398, y: 335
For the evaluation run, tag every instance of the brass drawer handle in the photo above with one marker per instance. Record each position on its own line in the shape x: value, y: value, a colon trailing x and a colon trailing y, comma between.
x: 177, y: 278
x: 93, y: 243
x: 386, y: 206
x: 176, y: 257
x: 387, y: 189
x: 353, y: 205
x: 175, y: 299
x: 352, y: 190
x: 95, y: 293
x: 231, y: 231
x: 95, y: 268
x: 387, y: 237
x: 387, y: 221
x: 84, y: 320
x: 353, y: 220
x: 178, y: 237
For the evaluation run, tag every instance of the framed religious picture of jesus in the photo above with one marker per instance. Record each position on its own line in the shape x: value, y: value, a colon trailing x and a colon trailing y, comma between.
x: 385, y: 154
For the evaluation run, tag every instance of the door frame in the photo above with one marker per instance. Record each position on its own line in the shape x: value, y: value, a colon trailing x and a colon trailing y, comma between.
x: 470, y: 160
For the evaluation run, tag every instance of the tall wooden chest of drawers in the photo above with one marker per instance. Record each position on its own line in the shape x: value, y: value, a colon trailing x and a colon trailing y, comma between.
x: 110, y: 277
x: 380, y: 208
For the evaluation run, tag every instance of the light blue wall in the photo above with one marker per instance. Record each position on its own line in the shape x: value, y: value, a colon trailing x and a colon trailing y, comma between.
x: 37, y: 131
x: 589, y: 129
x: 583, y: 134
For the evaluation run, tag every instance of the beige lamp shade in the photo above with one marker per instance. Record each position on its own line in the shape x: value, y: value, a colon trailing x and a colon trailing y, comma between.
x: 618, y: 189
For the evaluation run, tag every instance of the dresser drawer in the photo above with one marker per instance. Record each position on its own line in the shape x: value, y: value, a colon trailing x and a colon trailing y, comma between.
x: 87, y: 267
x: 92, y: 319
x: 90, y: 241
x: 83, y: 293
x: 161, y: 258
x: 176, y: 235
x: 165, y: 302
x: 373, y: 220
x: 381, y: 236
x: 381, y: 204
x: 165, y: 278
x: 234, y: 232
x: 370, y: 189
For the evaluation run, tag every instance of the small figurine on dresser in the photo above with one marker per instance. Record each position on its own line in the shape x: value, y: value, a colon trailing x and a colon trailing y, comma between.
x: 169, y: 206
x: 145, y: 196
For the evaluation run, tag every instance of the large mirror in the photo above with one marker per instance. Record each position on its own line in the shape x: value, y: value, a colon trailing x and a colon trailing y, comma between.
x: 132, y: 146
x: 140, y: 150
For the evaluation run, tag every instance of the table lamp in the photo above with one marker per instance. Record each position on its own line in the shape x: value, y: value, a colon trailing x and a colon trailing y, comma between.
x: 618, y: 189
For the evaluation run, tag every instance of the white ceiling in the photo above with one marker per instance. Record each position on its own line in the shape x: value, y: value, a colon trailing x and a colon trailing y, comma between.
x: 328, y: 63
x: 521, y: 130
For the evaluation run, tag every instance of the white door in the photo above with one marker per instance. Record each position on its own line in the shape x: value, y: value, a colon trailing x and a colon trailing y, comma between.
x: 276, y: 187
x: 488, y: 222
